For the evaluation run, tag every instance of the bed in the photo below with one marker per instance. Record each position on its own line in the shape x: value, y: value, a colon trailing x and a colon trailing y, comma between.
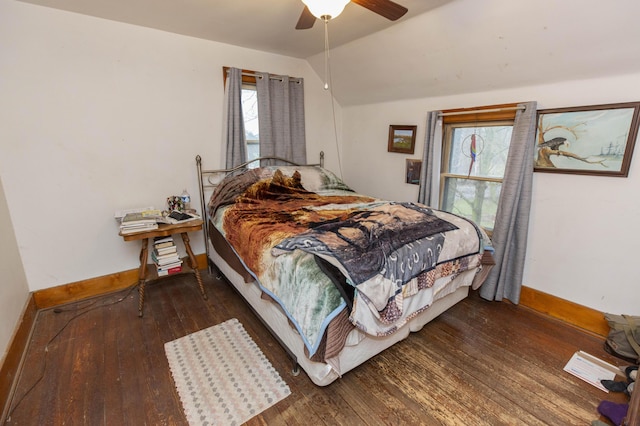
x: 336, y: 276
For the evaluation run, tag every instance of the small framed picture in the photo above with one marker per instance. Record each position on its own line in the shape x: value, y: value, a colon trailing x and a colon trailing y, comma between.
x: 591, y: 140
x: 402, y: 139
x: 413, y: 171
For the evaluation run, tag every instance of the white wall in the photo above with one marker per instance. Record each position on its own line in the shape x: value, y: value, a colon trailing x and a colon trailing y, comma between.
x: 98, y: 116
x: 583, y: 228
x: 14, y: 291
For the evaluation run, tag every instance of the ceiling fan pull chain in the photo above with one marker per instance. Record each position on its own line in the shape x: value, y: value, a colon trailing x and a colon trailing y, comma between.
x: 326, y: 51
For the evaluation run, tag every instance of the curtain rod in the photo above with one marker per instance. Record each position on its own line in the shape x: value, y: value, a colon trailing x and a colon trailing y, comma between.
x: 271, y: 77
x: 476, y: 111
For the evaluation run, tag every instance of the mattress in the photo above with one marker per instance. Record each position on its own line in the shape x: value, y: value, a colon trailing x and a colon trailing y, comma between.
x: 359, y: 347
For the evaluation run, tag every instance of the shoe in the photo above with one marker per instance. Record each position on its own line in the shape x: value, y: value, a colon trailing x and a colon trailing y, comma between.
x: 631, y: 372
x: 614, y: 386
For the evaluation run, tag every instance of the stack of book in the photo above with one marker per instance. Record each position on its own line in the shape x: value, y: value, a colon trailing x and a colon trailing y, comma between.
x: 138, y: 222
x: 165, y: 256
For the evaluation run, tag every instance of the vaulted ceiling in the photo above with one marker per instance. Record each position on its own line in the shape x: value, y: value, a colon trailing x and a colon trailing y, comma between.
x: 267, y: 25
x: 440, y: 48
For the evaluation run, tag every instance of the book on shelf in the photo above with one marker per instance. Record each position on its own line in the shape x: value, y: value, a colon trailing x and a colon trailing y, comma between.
x: 164, y: 245
x: 148, y: 216
x: 163, y: 240
x: 133, y: 222
x: 166, y: 250
x: 134, y: 229
x: 169, y: 271
x: 164, y: 260
x: 169, y: 265
x: 119, y: 214
x: 152, y: 225
x: 165, y: 255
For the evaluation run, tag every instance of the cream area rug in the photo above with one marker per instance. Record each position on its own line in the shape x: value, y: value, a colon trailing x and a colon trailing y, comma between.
x: 222, y: 376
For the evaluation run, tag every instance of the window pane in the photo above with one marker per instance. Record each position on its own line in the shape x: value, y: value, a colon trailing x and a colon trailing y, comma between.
x: 474, y: 199
x: 253, y: 152
x: 251, y: 128
x: 250, y: 113
x: 479, y: 151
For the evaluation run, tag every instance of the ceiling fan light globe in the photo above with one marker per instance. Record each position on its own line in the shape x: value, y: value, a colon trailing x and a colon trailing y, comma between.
x: 322, y: 8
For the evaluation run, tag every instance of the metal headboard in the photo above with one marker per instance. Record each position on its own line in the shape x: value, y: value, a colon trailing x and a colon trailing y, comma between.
x: 210, y: 179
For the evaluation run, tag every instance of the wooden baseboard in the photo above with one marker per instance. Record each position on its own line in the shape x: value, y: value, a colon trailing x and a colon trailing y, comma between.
x: 577, y: 315
x: 569, y: 312
x: 73, y: 292
x: 79, y: 290
x: 12, y: 362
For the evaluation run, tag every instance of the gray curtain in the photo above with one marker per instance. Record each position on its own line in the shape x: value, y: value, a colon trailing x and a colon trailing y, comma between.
x: 428, y: 172
x: 236, y: 152
x: 281, y: 117
x: 512, y: 218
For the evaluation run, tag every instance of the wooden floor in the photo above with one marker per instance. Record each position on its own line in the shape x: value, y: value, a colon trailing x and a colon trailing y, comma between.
x: 480, y: 363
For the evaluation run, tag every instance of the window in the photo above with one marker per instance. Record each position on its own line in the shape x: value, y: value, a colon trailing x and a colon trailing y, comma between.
x: 250, y: 116
x: 284, y: 119
x: 474, y: 157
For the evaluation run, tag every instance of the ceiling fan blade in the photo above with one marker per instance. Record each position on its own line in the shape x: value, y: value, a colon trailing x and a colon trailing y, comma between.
x: 306, y: 20
x: 386, y: 8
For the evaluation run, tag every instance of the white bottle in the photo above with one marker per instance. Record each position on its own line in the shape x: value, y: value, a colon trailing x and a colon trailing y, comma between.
x: 186, y: 200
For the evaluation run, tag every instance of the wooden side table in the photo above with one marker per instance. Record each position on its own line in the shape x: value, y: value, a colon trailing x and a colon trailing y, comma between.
x: 148, y: 272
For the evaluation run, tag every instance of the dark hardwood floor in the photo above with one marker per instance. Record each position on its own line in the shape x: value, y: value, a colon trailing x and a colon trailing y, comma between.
x: 480, y: 363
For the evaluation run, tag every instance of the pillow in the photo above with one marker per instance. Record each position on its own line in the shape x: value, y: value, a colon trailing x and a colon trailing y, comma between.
x: 315, y: 178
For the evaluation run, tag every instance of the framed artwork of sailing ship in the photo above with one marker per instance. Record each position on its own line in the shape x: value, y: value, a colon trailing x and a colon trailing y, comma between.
x: 590, y: 140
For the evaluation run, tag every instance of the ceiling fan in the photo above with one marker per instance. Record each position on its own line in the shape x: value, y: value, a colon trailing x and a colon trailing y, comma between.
x: 314, y: 9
